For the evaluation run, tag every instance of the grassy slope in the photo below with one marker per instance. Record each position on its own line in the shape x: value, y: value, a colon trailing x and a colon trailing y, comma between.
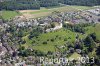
x: 9, y: 14
x: 52, y: 35
x: 61, y: 33
x: 95, y: 29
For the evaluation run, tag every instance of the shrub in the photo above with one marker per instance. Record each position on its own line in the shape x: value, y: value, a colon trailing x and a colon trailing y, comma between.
x: 65, y: 39
x: 44, y: 42
x: 52, y: 40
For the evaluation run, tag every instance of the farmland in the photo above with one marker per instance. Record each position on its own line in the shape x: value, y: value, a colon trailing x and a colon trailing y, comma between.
x: 48, y: 11
x: 42, y: 12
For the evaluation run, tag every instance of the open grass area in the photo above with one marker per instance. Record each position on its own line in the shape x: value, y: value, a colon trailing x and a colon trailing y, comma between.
x: 8, y: 14
x: 58, y: 38
x: 52, y: 38
x: 82, y: 7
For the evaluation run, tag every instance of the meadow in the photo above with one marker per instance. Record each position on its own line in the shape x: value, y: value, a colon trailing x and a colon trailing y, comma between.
x: 48, y: 11
x: 59, y: 38
x: 7, y: 15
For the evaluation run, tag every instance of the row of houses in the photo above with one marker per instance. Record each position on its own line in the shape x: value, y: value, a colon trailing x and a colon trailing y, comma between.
x: 72, y: 17
x: 95, y: 11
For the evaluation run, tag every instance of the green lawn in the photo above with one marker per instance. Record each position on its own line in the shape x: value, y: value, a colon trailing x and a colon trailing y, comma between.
x: 9, y: 14
x: 59, y: 41
x: 58, y: 37
x: 63, y: 9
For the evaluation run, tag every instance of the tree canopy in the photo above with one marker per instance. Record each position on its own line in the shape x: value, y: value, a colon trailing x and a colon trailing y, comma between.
x: 36, y: 4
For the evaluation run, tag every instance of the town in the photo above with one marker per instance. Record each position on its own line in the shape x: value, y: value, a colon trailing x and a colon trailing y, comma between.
x: 70, y: 34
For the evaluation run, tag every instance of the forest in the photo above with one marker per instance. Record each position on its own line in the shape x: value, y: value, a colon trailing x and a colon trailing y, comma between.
x: 36, y: 4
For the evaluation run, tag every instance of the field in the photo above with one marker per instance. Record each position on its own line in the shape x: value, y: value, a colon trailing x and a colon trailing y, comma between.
x: 48, y: 11
x: 81, y: 7
x: 42, y: 12
x: 8, y: 14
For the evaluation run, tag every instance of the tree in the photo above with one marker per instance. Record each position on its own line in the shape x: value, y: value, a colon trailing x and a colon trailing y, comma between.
x: 20, y: 33
x: 35, y: 32
x: 44, y: 42
x: 52, y: 25
x: 98, y: 51
x: 52, y: 40
x: 39, y: 53
x: 49, y: 53
x: 89, y: 42
x: 93, y: 35
x: 21, y: 48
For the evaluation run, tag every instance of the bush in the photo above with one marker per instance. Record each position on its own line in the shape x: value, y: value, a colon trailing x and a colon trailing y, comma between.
x: 44, y: 42
x: 23, y: 42
x: 52, y: 25
x: 52, y: 40
x: 57, y: 36
x: 65, y: 39
x: 47, y: 39
x: 49, y: 53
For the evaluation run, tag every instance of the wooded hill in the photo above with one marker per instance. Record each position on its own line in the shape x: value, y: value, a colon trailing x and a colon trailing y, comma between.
x: 36, y: 4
